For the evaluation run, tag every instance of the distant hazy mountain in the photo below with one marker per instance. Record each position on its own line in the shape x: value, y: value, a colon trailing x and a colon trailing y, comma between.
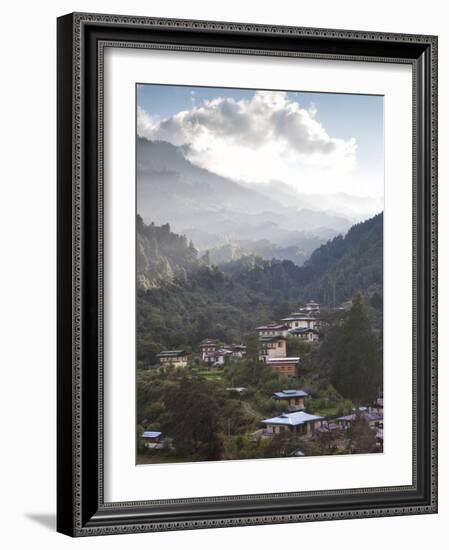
x: 215, y: 211
x: 335, y: 271
x: 355, y: 208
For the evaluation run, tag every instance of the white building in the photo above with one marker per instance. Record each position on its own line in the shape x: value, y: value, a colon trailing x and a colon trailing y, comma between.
x: 299, y: 320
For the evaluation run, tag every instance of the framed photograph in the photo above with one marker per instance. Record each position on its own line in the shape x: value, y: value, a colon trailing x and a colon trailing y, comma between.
x: 247, y: 284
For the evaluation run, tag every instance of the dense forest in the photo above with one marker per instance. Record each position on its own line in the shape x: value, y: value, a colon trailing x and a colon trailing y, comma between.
x: 162, y: 254
x: 183, y: 297
x: 335, y: 272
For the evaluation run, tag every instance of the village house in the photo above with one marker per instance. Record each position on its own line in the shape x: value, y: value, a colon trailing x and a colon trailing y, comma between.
x: 286, y: 366
x: 207, y: 348
x: 238, y: 351
x: 295, y: 399
x: 177, y: 358
x: 374, y: 419
x: 273, y: 339
x: 300, y: 423
x: 299, y: 320
x: 152, y: 440
x: 211, y: 352
x: 271, y: 347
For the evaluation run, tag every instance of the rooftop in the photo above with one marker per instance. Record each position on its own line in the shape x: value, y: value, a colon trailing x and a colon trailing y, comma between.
x: 299, y: 330
x: 209, y: 343
x: 374, y: 416
x: 283, y: 359
x: 299, y: 317
x: 368, y: 415
x: 151, y: 435
x: 271, y: 338
x: 272, y: 326
x: 292, y: 419
x: 286, y: 394
x: 223, y: 351
x: 171, y: 353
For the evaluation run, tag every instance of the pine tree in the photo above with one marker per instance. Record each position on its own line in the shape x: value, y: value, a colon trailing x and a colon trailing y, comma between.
x: 354, y: 369
x: 362, y: 437
x: 206, y: 258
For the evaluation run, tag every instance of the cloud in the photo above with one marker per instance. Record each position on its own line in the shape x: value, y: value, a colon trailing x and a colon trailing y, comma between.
x: 269, y: 136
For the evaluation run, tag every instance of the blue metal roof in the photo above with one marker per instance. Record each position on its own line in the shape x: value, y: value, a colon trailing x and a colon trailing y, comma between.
x: 151, y: 434
x: 285, y: 394
x: 292, y: 419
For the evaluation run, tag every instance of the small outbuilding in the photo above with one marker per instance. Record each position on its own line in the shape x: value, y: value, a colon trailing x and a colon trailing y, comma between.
x: 294, y: 398
x: 152, y: 440
x: 177, y: 358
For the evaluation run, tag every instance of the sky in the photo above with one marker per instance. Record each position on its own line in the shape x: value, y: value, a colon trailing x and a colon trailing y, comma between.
x: 320, y: 143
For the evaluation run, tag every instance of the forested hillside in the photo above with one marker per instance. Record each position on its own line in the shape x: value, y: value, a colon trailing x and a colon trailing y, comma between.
x: 182, y: 299
x: 162, y: 255
x: 334, y: 273
x: 346, y: 265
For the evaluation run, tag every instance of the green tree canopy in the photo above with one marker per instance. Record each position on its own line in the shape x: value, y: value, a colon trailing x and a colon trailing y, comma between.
x: 355, y: 361
x: 194, y: 419
x: 363, y: 438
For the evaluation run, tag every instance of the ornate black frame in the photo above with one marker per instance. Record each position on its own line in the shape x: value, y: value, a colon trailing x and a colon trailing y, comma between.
x: 81, y: 508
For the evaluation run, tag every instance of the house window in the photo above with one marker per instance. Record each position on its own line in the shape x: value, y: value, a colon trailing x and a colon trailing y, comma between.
x: 279, y: 344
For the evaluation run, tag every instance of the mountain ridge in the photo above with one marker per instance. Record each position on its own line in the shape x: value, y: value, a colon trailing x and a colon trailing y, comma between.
x: 214, y: 210
x: 343, y: 263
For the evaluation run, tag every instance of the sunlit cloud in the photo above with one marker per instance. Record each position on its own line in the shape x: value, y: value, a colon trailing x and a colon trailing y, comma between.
x: 267, y: 137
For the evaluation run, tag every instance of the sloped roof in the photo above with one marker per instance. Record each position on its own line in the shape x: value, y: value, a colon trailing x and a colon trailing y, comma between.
x: 209, y: 343
x: 286, y: 394
x: 272, y: 326
x: 299, y: 317
x: 292, y: 419
x: 271, y: 338
x: 283, y: 360
x: 370, y: 416
x: 151, y: 434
